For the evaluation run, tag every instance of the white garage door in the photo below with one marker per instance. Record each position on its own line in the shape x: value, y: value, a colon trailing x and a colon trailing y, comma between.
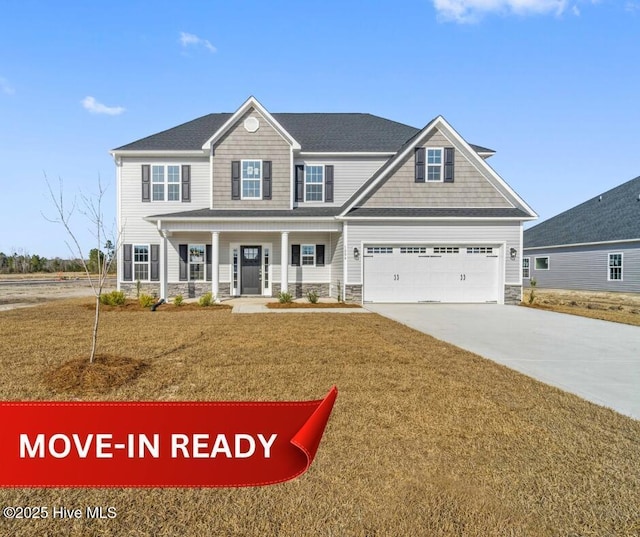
x: 430, y: 273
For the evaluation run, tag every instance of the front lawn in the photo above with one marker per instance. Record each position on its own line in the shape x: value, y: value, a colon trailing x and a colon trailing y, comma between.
x: 424, y: 439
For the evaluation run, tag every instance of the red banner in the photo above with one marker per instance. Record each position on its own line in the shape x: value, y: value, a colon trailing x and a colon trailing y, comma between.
x: 159, y: 444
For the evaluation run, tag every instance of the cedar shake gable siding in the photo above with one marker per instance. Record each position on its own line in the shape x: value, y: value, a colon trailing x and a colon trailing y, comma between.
x: 469, y: 187
x: 265, y: 144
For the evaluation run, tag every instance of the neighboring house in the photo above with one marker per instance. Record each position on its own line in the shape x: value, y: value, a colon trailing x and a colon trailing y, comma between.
x: 595, y: 246
x: 352, y: 206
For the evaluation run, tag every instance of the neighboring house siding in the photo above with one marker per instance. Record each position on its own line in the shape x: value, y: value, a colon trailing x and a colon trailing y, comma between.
x: 587, y: 268
x: 264, y: 144
x: 132, y: 210
x: 450, y: 233
x: 469, y: 189
x: 349, y: 174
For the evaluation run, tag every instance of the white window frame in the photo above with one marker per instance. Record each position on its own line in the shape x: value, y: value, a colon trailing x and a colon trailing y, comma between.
x: 139, y: 263
x: 609, y: 267
x: 321, y: 183
x: 243, y: 179
x: 165, y: 181
x: 440, y: 165
x: 535, y: 262
x: 528, y: 268
x: 191, y: 263
x: 312, y: 256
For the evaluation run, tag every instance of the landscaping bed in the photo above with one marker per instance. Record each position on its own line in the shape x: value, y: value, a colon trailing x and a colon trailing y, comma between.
x: 607, y: 306
x: 329, y: 305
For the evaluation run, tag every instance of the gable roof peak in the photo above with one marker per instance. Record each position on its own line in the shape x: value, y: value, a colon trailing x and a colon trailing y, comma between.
x: 250, y: 103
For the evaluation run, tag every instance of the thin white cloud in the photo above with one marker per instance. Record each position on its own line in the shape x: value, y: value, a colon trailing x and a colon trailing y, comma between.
x: 95, y: 107
x: 188, y: 40
x: 5, y: 87
x: 632, y: 7
x: 465, y: 11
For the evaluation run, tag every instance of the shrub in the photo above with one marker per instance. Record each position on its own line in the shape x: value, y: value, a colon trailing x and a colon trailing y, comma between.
x: 532, y: 292
x: 114, y: 298
x: 146, y: 301
x: 178, y: 300
x: 312, y: 297
x: 205, y: 300
x: 285, y: 298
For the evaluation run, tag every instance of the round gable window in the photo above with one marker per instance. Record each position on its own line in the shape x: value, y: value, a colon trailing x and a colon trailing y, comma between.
x: 251, y: 124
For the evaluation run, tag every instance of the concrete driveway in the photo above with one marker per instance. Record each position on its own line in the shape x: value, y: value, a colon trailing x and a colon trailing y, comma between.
x: 597, y: 360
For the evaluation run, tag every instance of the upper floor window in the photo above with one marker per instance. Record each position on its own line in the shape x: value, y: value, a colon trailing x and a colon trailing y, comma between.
x: 165, y: 182
x: 313, y: 183
x: 434, y: 164
x: 251, y: 179
x: 615, y: 267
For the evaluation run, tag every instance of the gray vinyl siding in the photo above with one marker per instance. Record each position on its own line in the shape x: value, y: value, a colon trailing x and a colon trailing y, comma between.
x: 587, y: 268
x: 337, y: 264
x: 349, y: 173
x: 470, y: 188
x: 440, y: 233
x: 135, y: 230
x: 264, y: 144
x: 309, y: 273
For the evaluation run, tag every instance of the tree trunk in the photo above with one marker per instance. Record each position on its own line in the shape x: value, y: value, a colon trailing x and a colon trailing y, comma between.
x: 94, y: 339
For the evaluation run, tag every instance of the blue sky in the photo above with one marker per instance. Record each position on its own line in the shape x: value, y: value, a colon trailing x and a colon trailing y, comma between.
x: 551, y: 85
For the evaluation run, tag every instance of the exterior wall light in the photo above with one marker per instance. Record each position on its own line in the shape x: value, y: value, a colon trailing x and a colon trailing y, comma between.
x: 513, y: 253
x: 356, y: 253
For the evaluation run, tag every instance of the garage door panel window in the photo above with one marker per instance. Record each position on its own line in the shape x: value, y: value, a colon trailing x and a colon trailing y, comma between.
x: 379, y: 250
x: 480, y: 250
x: 413, y: 250
x: 615, y: 267
x: 446, y: 250
x: 542, y: 263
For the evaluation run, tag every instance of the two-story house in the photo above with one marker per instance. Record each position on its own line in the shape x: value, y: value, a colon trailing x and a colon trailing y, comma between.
x: 352, y: 206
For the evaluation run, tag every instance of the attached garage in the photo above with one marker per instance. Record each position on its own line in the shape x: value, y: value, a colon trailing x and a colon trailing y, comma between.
x: 431, y: 273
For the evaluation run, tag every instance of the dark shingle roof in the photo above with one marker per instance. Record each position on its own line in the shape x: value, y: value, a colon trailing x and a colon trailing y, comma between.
x: 315, y: 132
x: 612, y: 216
x: 308, y: 212
x: 437, y: 212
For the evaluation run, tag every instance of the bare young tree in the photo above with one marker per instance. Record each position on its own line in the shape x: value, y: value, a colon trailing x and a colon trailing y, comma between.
x: 91, y: 208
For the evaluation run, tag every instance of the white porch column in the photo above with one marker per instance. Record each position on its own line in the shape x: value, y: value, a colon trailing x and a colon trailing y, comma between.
x: 215, y: 264
x: 164, y: 287
x: 284, y: 262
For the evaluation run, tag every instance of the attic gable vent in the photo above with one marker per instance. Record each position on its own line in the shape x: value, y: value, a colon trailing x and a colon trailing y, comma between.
x: 251, y: 124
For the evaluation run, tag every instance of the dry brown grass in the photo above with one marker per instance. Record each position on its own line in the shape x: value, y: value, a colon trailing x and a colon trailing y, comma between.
x: 425, y: 439
x: 616, y: 307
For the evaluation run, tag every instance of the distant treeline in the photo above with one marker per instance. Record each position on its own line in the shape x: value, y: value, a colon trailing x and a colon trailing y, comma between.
x: 25, y: 263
